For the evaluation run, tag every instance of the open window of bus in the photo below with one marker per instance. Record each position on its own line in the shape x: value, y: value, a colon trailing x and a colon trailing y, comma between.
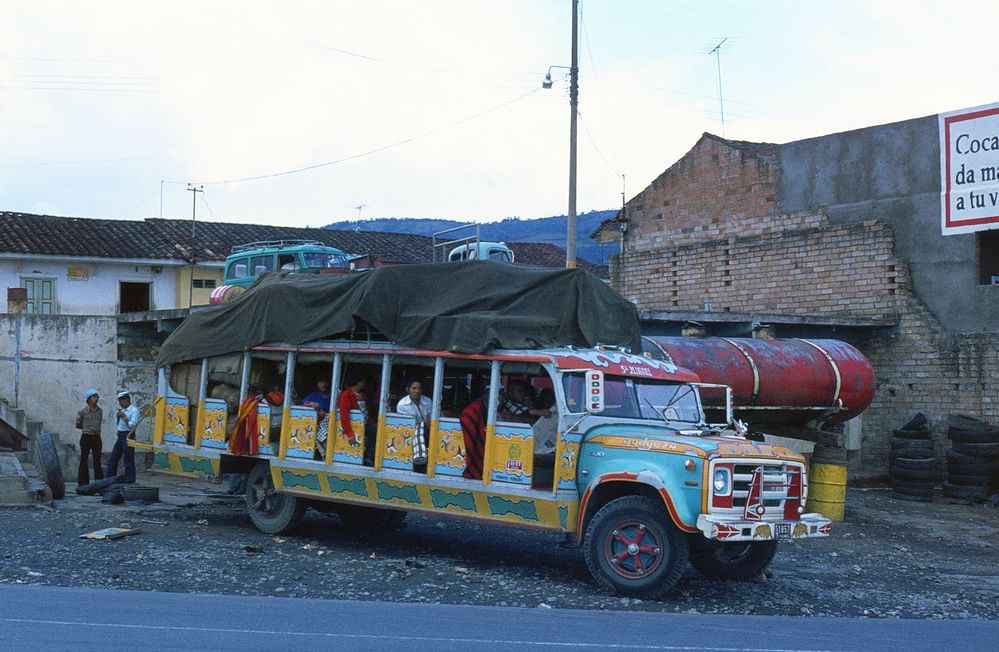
x: 400, y: 430
x: 526, y: 427
x: 464, y: 382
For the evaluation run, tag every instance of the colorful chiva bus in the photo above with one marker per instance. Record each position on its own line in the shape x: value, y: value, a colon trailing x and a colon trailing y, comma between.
x: 610, y: 447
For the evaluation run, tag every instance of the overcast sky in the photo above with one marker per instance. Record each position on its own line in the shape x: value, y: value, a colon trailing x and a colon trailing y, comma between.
x: 435, y: 108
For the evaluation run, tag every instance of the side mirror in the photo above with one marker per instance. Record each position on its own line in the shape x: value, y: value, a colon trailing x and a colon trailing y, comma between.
x: 594, y: 391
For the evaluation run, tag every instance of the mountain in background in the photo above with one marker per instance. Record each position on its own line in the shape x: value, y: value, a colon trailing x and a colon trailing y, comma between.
x: 513, y: 229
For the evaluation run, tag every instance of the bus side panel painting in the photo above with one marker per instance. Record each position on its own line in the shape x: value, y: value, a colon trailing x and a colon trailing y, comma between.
x: 566, y: 459
x: 342, y: 450
x: 420, y: 495
x: 451, y: 455
x: 264, y: 446
x: 178, y: 413
x: 513, y: 459
x: 213, y: 424
x: 302, y: 426
x: 399, y: 432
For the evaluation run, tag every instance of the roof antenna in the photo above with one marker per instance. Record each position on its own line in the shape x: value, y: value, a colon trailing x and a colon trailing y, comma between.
x: 716, y: 50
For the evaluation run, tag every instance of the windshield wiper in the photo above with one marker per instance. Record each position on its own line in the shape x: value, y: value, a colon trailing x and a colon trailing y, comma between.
x: 655, y: 410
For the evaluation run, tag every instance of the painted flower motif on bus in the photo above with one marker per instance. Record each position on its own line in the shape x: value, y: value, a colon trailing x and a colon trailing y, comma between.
x: 612, y: 361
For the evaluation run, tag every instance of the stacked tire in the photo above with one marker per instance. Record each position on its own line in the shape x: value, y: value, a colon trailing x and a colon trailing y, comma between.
x: 913, y: 467
x: 973, y: 460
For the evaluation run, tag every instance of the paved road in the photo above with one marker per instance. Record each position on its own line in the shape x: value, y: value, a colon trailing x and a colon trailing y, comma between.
x: 57, y: 618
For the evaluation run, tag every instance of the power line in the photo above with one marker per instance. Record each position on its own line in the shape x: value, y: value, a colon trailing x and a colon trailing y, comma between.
x: 370, y: 151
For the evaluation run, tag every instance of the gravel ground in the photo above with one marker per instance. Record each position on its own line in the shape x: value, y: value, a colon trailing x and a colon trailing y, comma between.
x: 890, y: 559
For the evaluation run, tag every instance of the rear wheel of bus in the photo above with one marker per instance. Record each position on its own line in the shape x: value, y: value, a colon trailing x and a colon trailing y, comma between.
x: 633, y: 548
x: 272, y: 512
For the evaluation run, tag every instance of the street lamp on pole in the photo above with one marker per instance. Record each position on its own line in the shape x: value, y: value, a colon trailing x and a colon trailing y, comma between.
x: 570, y: 237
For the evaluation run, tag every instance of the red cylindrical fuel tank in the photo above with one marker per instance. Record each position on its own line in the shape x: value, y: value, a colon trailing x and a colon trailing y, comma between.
x: 225, y: 294
x: 801, y: 376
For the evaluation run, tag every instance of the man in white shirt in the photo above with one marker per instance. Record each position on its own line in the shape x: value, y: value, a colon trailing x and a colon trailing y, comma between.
x: 418, y: 406
x: 127, y: 418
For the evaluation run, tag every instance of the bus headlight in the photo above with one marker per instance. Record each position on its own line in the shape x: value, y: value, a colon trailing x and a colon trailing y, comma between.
x: 722, y: 481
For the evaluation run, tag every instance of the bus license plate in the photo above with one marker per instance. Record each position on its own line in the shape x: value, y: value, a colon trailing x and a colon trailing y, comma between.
x: 782, y: 530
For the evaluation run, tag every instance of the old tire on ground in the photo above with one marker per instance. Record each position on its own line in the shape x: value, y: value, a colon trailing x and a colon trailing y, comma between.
x: 976, y: 450
x: 914, y: 488
x: 967, y: 422
x: 138, y: 492
x: 911, y: 434
x: 911, y: 447
x: 48, y: 456
x: 969, y: 464
x: 911, y: 497
x: 270, y: 511
x: 973, y: 436
x: 969, y: 480
x: 369, y: 519
x: 740, y: 562
x: 917, y: 422
x: 960, y: 491
x: 633, y: 548
x: 909, y: 475
x: 916, y: 464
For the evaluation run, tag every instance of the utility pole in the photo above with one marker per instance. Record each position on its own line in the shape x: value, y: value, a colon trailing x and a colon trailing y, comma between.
x: 194, y: 212
x: 721, y: 106
x: 570, y: 244
x: 358, y: 209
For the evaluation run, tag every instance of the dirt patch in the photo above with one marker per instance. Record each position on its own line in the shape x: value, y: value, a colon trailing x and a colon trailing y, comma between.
x: 890, y: 559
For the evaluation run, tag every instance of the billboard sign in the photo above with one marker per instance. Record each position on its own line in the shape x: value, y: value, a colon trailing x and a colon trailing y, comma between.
x: 969, y: 170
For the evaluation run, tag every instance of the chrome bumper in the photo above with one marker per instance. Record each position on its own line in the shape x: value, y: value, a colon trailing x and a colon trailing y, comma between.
x: 727, y: 529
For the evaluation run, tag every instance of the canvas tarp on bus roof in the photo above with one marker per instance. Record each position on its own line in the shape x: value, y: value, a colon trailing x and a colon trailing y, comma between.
x: 467, y: 307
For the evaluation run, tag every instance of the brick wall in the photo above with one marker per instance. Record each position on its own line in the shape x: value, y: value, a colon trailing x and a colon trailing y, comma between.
x: 714, y: 190
x: 922, y: 367
x: 824, y: 270
x: 707, y: 235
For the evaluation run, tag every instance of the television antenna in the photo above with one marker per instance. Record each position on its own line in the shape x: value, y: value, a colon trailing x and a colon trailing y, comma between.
x: 717, y: 50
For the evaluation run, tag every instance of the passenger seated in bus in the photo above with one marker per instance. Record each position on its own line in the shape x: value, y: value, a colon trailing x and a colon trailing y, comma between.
x: 353, y: 398
x: 517, y: 404
x: 320, y: 401
x: 418, y: 406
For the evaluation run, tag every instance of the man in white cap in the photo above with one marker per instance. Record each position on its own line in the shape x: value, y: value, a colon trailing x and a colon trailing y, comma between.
x: 127, y: 419
x: 89, y: 421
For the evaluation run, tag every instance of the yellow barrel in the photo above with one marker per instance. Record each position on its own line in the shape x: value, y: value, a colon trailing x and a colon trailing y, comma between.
x: 827, y: 490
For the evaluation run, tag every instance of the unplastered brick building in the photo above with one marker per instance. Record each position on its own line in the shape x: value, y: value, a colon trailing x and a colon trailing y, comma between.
x: 836, y: 236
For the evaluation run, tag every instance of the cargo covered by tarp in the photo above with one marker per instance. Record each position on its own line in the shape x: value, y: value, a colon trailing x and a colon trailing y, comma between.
x: 467, y: 307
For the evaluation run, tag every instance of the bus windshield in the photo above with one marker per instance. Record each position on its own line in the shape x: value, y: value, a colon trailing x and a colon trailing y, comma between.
x: 322, y: 260
x: 638, y: 398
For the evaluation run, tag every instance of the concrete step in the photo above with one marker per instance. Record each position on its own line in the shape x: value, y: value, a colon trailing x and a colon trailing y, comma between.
x: 16, y: 488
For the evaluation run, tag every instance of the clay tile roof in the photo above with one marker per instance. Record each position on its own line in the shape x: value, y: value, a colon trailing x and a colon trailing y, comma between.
x: 169, y: 239
x: 549, y: 255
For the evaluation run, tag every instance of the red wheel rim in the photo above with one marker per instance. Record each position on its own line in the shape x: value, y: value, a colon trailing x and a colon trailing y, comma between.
x: 633, y: 549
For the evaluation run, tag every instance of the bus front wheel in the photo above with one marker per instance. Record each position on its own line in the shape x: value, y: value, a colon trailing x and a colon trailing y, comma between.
x: 633, y: 548
x: 272, y: 512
